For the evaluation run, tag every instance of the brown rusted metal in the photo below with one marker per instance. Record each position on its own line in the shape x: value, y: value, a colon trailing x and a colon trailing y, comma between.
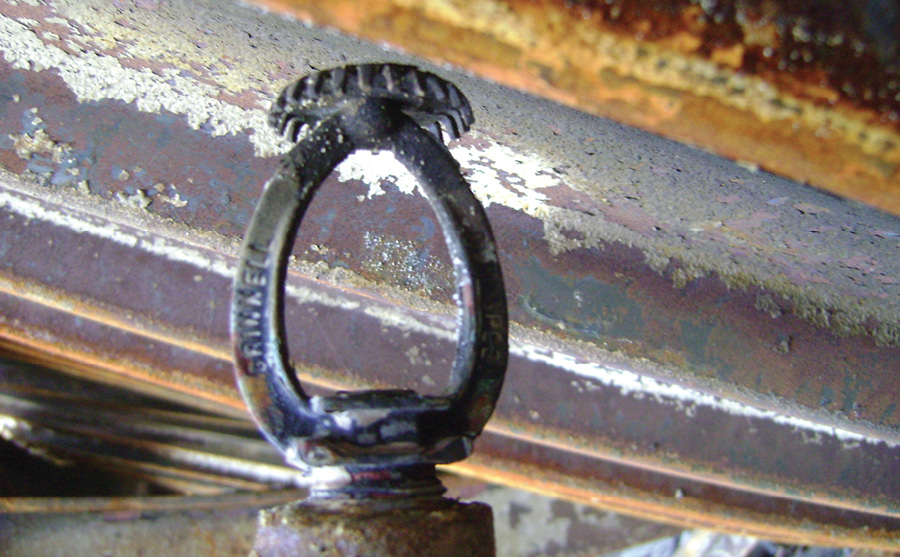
x: 681, y: 325
x: 83, y: 521
x: 226, y: 525
x: 647, y: 494
x: 810, y: 91
x: 442, y: 527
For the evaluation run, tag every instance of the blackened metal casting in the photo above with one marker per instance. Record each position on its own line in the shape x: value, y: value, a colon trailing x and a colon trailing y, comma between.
x: 378, y: 107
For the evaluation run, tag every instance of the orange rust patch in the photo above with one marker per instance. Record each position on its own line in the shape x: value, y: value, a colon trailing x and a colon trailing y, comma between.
x: 728, y: 92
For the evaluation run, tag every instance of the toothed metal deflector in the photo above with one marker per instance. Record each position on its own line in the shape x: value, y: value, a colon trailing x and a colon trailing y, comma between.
x: 431, y: 101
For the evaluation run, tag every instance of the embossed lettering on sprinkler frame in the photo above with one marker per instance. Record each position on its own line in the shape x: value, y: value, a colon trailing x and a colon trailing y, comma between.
x: 250, y: 299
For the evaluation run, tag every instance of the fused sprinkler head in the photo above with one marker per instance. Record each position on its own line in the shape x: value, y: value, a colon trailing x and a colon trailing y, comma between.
x: 386, y: 441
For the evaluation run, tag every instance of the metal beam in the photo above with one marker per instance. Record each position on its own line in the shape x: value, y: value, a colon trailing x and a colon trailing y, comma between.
x: 693, y: 341
x: 808, y: 91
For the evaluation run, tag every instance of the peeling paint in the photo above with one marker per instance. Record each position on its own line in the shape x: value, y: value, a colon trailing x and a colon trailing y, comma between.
x: 818, y: 256
x: 512, y: 177
x: 173, y: 199
x: 93, y: 76
x: 138, y: 199
x: 628, y: 383
x: 202, y: 259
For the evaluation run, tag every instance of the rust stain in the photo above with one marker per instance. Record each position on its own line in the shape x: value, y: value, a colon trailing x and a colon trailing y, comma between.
x: 812, y: 93
x: 603, y: 292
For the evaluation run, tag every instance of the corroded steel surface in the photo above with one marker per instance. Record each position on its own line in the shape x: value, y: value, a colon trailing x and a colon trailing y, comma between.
x: 226, y: 525
x: 807, y: 90
x: 440, y: 527
x: 692, y: 340
x: 556, y: 430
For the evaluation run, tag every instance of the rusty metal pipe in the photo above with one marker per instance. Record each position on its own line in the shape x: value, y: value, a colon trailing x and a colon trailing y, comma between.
x: 439, y: 527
